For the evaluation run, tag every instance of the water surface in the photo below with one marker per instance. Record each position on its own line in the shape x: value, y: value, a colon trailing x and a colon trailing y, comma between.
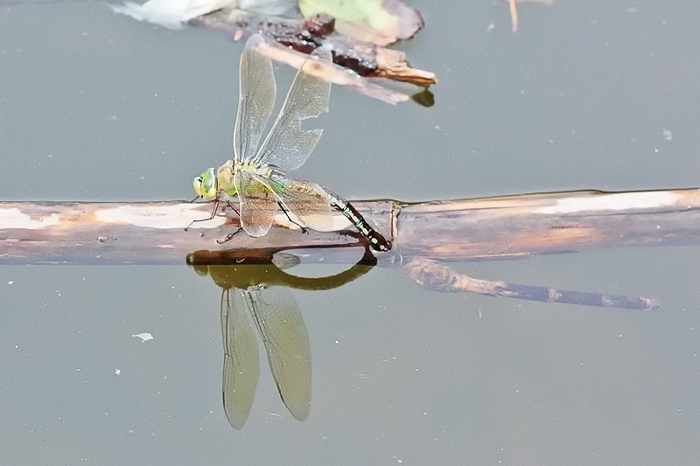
x: 587, y: 95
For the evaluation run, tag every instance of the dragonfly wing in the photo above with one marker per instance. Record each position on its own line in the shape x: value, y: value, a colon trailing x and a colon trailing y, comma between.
x: 288, y: 146
x: 283, y: 332
x: 241, y: 366
x: 256, y: 99
x: 258, y: 203
x: 307, y: 201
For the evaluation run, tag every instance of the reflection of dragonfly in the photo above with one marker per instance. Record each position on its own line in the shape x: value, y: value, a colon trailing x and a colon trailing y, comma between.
x: 255, y: 173
x: 277, y: 317
x: 263, y: 290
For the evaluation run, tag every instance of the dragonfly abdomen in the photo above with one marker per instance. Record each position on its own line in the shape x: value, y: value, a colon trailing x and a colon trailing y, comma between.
x: 376, y: 240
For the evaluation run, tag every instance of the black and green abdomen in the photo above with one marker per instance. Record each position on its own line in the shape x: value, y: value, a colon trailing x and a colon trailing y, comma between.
x: 376, y: 240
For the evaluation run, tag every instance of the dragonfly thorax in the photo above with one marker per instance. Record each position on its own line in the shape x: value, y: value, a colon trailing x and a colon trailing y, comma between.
x: 225, y: 177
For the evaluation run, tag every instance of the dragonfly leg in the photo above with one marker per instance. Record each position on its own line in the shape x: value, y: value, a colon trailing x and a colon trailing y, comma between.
x: 233, y: 207
x: 303, y: 228
x: 213, y: 214
x: 228, y: 237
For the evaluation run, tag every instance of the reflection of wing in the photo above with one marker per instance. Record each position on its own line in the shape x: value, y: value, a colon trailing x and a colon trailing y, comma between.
x: 283, y: 332
x: 308, y: 201
x: 256, y: 99
x: 288, y: 146
x: 258, y: 203
x: 241, y: 366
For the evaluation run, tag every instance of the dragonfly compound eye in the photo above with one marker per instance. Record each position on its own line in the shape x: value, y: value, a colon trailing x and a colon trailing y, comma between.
x: 205, y: 184
x: 197, y: 185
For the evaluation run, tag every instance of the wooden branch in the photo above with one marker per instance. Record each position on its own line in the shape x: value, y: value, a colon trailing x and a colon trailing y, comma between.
x: 305, y: 35
x: 547, y: 223
x: 291, y: 40
x: 503, y: 227
x: 143, y: 233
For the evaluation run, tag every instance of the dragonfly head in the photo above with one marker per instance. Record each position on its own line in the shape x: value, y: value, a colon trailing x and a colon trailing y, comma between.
x: 206, y: 185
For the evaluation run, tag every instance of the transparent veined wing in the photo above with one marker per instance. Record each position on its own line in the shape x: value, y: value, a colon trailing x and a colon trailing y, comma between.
x: 241, y: 363
x: 283, y: 332
x: 287, y: 145
x: 257, y: 97
x: 309, y: 202
x: 258, y: 203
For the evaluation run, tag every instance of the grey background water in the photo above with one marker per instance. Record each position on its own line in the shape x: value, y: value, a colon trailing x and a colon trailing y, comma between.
x: 96, y: 106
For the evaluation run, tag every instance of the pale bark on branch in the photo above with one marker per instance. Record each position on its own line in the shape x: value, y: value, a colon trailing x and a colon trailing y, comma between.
x: 459, y: 230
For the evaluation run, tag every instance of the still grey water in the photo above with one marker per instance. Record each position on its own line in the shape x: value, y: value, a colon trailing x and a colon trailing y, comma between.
x: 586, y: 95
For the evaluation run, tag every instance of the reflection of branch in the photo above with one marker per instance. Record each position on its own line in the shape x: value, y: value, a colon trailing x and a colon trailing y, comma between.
x: 434, y: 276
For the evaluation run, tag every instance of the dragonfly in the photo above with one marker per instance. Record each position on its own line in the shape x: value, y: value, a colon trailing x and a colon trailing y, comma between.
x: 256, y: 173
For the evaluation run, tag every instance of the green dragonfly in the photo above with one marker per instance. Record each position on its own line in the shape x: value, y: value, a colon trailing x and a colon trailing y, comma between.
x: 256, y: 174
